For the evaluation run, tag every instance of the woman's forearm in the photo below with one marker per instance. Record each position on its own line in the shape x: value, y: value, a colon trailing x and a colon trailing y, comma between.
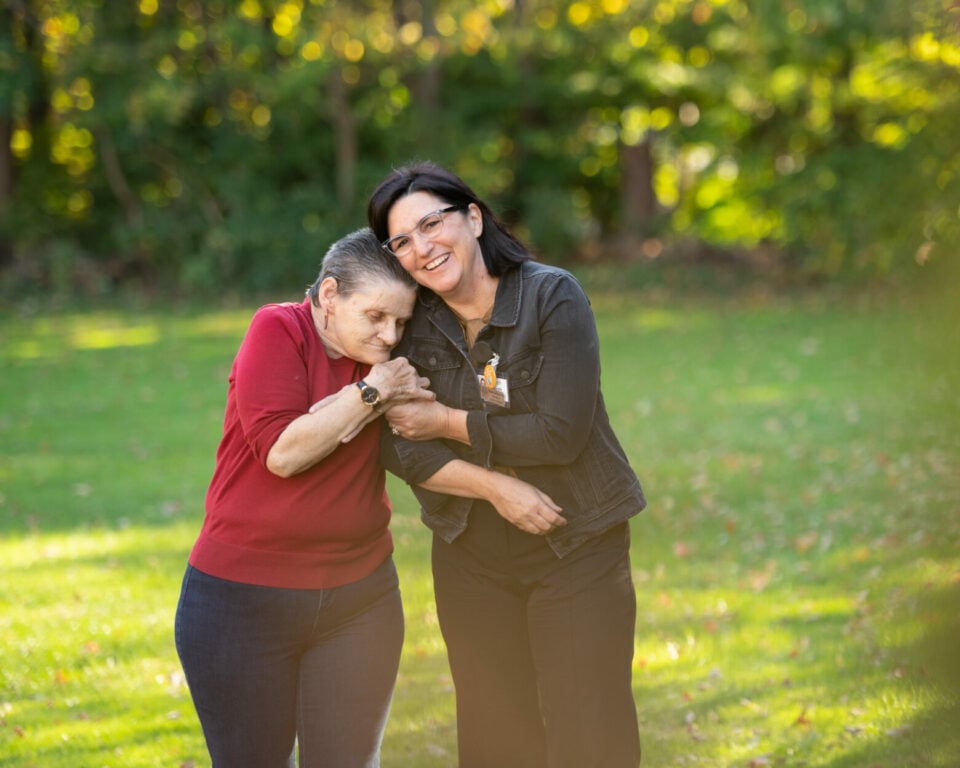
x: 461, y: 478
x: 310, y: 438
x: 523, y: 505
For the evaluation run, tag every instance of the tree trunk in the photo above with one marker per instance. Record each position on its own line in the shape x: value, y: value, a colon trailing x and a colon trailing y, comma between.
x: 23, y: 60
x: 426, y: 87
x: 637, y: 195
x: 117, y: 180
x: 6, y: 192
x: 346, y: 132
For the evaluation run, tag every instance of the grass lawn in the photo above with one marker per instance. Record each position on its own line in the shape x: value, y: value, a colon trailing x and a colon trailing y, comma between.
x: 797, y: 571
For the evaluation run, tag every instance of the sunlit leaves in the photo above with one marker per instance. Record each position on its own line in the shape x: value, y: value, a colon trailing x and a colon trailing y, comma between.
x: 250, y: 9
x: 286, y: 19
x: 536, y: 100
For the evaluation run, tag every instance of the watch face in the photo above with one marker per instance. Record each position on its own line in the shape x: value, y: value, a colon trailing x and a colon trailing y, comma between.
x: 370, y: 395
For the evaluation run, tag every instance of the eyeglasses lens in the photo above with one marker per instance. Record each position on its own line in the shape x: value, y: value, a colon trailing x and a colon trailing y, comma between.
x: 429, y: 227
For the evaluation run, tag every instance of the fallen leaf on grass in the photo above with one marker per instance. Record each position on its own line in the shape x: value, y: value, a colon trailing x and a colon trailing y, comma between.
x: 760, y: 579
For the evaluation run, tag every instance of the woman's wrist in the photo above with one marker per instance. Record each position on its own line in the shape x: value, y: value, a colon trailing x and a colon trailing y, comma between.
x: 455, y: 425
x: 445, y: 421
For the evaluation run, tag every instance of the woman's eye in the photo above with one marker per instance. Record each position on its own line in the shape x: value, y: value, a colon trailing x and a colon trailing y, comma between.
x: 429, y: 225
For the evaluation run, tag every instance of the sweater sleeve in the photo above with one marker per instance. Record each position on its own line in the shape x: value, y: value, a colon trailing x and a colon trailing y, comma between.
x: 270, y: 379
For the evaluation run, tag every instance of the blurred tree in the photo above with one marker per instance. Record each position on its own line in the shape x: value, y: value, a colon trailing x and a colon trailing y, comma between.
x: 201, y: 145
x: 25, y: 102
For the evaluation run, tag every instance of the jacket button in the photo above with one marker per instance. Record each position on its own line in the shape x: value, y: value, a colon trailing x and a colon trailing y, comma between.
x: 433, y: 361
x: 524, y: 374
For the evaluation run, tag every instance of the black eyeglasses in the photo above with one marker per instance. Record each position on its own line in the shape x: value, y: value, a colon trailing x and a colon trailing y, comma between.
x: 430, y: 226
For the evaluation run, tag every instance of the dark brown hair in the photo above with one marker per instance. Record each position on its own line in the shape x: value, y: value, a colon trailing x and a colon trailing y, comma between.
x: 500, y: 248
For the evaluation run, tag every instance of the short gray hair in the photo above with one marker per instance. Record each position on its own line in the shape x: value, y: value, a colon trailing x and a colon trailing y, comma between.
x: 354, y: 261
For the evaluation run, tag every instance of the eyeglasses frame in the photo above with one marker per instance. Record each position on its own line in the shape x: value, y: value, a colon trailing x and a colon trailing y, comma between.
x: 439, y: 212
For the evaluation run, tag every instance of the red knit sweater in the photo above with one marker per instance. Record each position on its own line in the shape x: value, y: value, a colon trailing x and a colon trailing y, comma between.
x: 322, y: 528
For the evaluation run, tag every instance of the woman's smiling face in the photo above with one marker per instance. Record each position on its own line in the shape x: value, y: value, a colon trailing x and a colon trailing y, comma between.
x: 447, y: 262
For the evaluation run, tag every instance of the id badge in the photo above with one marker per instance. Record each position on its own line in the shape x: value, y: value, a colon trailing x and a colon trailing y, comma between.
x: 493, y: 389
x: 498, y: 394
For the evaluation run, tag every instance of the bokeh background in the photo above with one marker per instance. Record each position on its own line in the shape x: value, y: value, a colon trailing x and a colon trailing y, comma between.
x: 195, y: 147
x: 762, y: 199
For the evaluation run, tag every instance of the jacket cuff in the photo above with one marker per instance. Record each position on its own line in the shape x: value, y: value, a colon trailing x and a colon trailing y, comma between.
x: 478, y: 430
x: 434, y: 504
x: 419, y: 461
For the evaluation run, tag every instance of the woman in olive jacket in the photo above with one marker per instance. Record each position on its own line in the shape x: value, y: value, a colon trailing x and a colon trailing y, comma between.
x: 521, y: 479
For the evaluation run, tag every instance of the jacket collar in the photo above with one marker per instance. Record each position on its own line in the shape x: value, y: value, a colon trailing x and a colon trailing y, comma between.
x: 506, y: 305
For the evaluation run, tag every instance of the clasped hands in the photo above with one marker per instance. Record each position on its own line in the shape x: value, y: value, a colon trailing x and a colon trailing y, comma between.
x: 413, y: 412
x: 397, y: 382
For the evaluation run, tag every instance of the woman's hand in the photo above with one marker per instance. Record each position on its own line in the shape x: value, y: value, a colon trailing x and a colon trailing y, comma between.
x: 516, y: 501
x: 420, y: 420
x: 398, y: 382
x: 527, y: 507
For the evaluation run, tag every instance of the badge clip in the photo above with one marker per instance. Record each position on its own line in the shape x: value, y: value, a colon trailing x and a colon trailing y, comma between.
x: 490, y: 372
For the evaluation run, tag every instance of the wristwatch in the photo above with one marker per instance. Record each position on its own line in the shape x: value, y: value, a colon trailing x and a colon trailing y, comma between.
x: 369, y: 395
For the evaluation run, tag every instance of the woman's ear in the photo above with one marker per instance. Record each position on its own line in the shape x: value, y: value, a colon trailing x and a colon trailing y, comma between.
x: 476, y: 219
x: 327, y: 293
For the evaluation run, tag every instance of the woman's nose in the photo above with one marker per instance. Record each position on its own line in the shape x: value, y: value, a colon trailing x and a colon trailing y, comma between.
x: 421, y: 243
x: 391, y: 334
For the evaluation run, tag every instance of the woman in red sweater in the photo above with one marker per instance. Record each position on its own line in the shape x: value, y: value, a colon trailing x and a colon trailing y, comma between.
x: 290, y: 624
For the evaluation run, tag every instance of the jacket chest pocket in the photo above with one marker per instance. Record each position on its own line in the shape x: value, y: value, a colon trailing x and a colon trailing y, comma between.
x: 523, y: 375
x: 450, y: 375
x: 434, y: 360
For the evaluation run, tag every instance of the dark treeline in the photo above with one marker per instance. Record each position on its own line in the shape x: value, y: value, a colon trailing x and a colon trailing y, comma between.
x: 186, y: 145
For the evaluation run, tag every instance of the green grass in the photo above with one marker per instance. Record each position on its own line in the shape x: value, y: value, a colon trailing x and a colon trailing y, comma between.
x: 797, y: 571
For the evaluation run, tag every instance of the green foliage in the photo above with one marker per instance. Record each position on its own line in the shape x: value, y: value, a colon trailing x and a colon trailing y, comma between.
x: 193, y: 145
x: 796, y: 570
